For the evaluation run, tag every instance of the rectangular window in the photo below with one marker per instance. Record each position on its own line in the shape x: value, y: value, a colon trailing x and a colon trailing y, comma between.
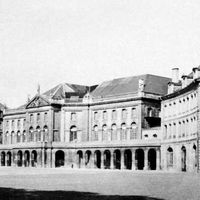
x: 95, y: 115
x: 114, y: 115
x: 124, y: 113
x: 133, y: 113
x: 104, y: 115
x: 73, y: 116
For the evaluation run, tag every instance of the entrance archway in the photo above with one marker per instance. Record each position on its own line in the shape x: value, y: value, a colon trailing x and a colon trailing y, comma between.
x: 9, y: 158
x: 117, y: 159
x: 26, y: 158
x: 34, y: 158
x: 152, y: 159
x: 19, y: 158
x: 3, y: 158
x: 60, y: 158
x: 139, y: 158
x: 80, y: 158
x: 128, y: 159
x: 97, y: 161
x: 107, y: 159
x: 183, y: 159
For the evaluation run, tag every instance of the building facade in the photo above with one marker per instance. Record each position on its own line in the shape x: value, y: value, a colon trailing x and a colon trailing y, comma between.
x: 115, y: 125
x: 180, y: 123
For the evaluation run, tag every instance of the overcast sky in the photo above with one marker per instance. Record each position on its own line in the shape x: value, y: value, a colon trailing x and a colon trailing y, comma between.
x: 90, y: 41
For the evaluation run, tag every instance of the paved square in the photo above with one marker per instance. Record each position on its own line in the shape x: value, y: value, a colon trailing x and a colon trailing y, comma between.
x: 30, y: 183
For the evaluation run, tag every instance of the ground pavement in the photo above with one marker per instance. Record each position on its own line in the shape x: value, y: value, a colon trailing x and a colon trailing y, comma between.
x: 85, y: 184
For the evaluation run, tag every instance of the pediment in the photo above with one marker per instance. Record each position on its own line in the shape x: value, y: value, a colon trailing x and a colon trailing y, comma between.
x: 37, y: 101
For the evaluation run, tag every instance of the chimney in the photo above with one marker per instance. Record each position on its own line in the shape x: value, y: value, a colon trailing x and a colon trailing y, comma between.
x: 175, y: 75
x: 196, y: 72
x: 184, y: 81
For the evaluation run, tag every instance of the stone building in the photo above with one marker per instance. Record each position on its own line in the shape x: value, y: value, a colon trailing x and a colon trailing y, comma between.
x: 115, y: 125
x: 180, y: 122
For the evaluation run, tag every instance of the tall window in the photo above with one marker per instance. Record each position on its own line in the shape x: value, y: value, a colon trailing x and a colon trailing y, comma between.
x: 31, y: 118
x: 95, y: 132
x: 133, y: 131
x: 7, y: 124
x: 105, y: 134
x: 24, y: 123
x: 18, y: 136
x: 114, y: 114
x: 114, y: 132
x: 31, y: 134
x: 24, y: 136
x: 133, y: 113
x: 13, y: 124
x: 174, y: 130
x: 165, y: 131
x: 124, y: 113
x: 18, y: 124
x: 12, y: 137
x: 45, y: 134
x: 73, y: 116
x: 123, y: 132
x: 45, y: 118
x: 95, y: 115
x: 104, y: 115
x: 73, y: 133
x: 170, y: 157
x: 38, y: 134
x: 38, y: 117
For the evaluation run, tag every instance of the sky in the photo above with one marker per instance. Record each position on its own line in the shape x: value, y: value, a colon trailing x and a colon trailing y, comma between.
x: 49, y: 42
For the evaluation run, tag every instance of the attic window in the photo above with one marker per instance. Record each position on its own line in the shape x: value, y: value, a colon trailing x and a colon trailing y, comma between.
x: 74, y: 98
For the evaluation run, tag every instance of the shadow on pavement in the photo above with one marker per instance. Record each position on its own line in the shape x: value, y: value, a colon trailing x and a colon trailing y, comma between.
x: 21, y: 194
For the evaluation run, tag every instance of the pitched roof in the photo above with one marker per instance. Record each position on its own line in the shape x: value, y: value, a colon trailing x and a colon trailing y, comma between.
x: 64, y: 90
x: 153, y: 84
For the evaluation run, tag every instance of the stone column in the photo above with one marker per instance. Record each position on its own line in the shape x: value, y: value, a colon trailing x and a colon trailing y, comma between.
x: 48, y: 157
x: 92, y: 160
x: 22, y: 158
x: 122, y: 159
x: 102, y: 160
x: 111, y: 160
x: 39, y: 158
x: 146, y: 159
x: 157, y: 159
x: 83, y: 160
x: 133, y: 160
x: 53, y: 152
x: 13, y: 159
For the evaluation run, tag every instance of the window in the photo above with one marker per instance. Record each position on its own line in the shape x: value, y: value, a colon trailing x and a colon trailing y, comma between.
x: 114, y: 114
x: 73, y: 116
x: 150, y: 112
x: 73, y: 133
x: 165, y: 131
x: 155, y: 135
x: 38, y: 117
x: 169, y: 157
x: 18, y: 136
x: 45, y: 118
x: 123, y: 131
x: 24, y: 123
x: 7, y: 124
x: 114, y: 132
x: 104, y: 115
x: 133, y: 131
x: 12, y: 137
x: 18, y: 124
x: 31, y: 134
x: 105, y: 134
x: 95, y: 132
x: 24, y: 136
x: 45, y: 135
x: 38, y: 134
x: 31, y: 118
x: 133, y: 113
x: 13, y: 124
x: 124, y: 113
x: 95, y: 115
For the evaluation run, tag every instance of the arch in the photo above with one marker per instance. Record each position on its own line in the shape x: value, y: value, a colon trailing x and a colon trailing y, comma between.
x: 183, y: 159
x: 139, y: 159
x: 9, y: 158
x: 34, y: 158
x: 152, y: 159
x: 38, y: 133
x: 73, y: 133
x: 19, y: 158
x: 3, y: 158
x: 128, y: 159
x: 107, y: 156
x: 117, y: 159
x: 88, y: 155
x: 80, y: 158
x: 170, y: 158
x: 26, y: 158
x: 59, y: 158
x: 97, y: 159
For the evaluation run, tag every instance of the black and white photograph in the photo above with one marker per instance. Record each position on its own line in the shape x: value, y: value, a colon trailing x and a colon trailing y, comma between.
x: 99, y: 100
